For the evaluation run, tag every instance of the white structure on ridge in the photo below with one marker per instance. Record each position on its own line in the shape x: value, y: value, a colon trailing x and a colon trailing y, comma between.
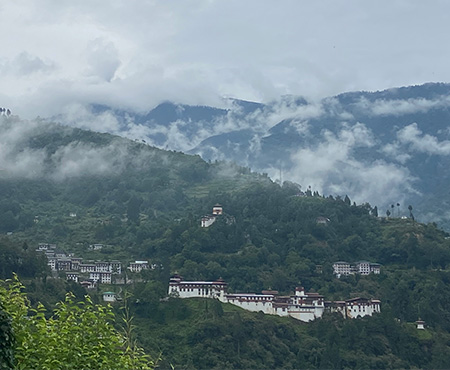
x: 301, y: 306
x: 208, y: 220
x: 217, y: 209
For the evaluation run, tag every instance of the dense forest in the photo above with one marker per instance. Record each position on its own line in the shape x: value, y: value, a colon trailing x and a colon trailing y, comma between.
x: 148, y: 205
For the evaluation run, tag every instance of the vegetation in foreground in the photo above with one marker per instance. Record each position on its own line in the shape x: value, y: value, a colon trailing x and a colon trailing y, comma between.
x: 78, y: 335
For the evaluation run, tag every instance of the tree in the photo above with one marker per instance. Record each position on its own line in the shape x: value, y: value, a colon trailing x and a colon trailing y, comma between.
x: 375, y: 211
x: 410, y: 212
x: 6, y: 342
x: 79, y: 335
x: 133, y: 209
x: 347, y: 200
x: 388, y: 213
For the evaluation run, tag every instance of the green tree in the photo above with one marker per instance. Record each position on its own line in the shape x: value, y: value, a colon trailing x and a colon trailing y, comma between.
x: 133, y: 209
x: 375, y: 211
x: 6, y: 341
x: 79, y: 335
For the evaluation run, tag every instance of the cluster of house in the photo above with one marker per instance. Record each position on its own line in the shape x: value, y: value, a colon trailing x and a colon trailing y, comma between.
x: 208, y: 220
x: 88, y: 273
x: 304, y: 306
x: 342, y: 268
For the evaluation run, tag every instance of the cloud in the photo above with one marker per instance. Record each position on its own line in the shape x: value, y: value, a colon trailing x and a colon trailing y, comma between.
x: 78, y: 115
x: 411, y: 135
x: 23, y: 156
x: 16, y: 158
x: 396, y: 152
x: 333, y: 168
x: 139, y: 53
x: 398, y: 107
x: 79, y: 159
x: 103, y: 59
x: 24, y: 65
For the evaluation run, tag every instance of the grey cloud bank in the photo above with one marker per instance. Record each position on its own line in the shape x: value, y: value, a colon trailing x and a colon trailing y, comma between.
x: 134, y: 54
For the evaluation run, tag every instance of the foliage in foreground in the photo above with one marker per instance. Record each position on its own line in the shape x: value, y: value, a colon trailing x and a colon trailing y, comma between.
x: 79, y: 335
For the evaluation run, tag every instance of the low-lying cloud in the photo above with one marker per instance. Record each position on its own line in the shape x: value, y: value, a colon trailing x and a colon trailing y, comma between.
x: 413, y: 137
x: 25, y: 64
x: 398, y: 107
x: 332, y: 167
x: 22, y: 154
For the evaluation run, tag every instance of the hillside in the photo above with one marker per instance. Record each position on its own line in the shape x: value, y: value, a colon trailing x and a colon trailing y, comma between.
x: 75, y: 188
x: 382, y: 147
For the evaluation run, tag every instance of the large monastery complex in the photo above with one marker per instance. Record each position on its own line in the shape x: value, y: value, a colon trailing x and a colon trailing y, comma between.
x: 302, y: 306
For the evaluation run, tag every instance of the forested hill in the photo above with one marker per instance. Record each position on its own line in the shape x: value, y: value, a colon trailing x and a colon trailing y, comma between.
x: 384, y: 147
x: 48, y: 171
x: 75, y: 188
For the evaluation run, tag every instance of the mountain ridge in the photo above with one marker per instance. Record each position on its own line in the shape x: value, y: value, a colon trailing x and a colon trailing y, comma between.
x: 383, y: 147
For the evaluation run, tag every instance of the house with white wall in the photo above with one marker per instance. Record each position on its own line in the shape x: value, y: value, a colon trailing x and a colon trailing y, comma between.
x: 197, y: 289
x: 109, y: 297
x: 208, y: 220
x: 355, y: 307
x: 138, y: 266
x: 342, y: 268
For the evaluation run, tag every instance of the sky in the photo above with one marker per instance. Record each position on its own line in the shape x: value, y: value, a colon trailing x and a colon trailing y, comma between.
x: 134, y: 54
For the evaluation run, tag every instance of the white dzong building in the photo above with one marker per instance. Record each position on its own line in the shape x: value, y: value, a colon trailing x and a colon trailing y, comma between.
x: 302, y: 306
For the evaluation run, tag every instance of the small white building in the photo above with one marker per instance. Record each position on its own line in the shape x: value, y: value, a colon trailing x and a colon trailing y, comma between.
x: 322, y: 220
x: 138, y: 266
x: 375, y: 268
x: 420, y: 324
x: 76, y: 261
x: 217, y: 210
x: 42, y: 247
x: 116, y: 267
x: 102, y: 266
x: 87, y: 267
x: 88, y: 284
x: 341, y: 268
x: 74, y: 276
x: 102, y: 277
x: 362, y: 268
x: 95, y: 247
x: 64, y: 264
x: 52, y: 261
x: 208, y: 220
x: 109, y: 297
